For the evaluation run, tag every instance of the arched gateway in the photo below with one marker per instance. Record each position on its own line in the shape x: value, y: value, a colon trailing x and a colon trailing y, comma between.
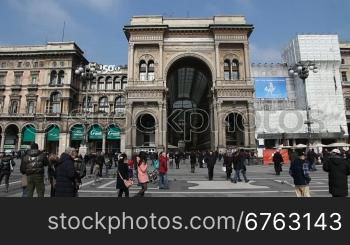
x: 189, y: 74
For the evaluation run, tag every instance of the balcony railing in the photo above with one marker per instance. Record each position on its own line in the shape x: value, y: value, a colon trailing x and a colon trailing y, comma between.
x: 274, y: 105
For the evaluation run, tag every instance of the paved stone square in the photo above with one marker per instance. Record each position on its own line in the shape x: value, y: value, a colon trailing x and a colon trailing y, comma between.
x: 183, y: 183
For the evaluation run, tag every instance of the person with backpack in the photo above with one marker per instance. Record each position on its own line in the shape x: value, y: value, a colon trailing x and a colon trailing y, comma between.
x: 6, y: 167
x: 299, y: 170
x: 122, y: 175
x: 33, y: 166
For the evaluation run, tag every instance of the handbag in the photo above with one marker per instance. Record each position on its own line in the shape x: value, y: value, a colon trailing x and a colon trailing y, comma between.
x: 127, y: 183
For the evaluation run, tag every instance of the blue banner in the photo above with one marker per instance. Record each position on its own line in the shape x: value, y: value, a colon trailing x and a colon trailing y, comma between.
x: 271, y: 88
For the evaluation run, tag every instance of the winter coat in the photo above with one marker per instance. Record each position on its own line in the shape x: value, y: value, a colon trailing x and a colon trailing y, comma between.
x: 338, y: 170
x: 34, y: 163
x: 228, y: 160
x: 299, y: 171
x: 142, y: 173
x: 277, y: 158
x: 65, y: 177
x: 6, y: 164
x: 238, y: 161
x: 193, y: 158
x: 123, y: 170
x: 211, y: 160
x: 163, y: 165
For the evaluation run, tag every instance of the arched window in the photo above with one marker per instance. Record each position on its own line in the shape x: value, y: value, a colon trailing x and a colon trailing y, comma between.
x: 55, y: 103
x: 60, y: 78
x: 103, y: 105
x: 101, y: 84
x: 119, y: 105
x: 31, y: 107
x: 150, y: 70
x: 235, y: 69
x: 124, y: 83
x: 53, y: 78
x: 14, y: 107
x: 93, y: 85
x: 227, y: 71
x: 87, y: 107
x: 143, y: 70
x: 109, y: 83
x: 116, y: 84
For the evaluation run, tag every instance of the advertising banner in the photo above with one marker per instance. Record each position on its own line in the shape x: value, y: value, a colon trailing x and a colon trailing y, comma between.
x: 271, y: 88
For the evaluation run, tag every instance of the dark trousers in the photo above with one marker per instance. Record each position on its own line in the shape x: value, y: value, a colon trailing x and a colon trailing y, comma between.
x: 228, y: 173
x: 210, y: 172
x: 200, y: 164
x: 92, y: 168
x: 123, y: 190
x: 100, y: 173
x: 177, y: 164
x: 52, y: 187
x: 36, y: 182
x: 5, y: 175
x: 193, y: 166
x: 278, y: 168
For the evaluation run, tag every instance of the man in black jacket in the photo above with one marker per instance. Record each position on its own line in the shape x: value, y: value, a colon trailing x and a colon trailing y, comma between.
x: 338, y: 169
x: 210, y: 161
x: 6, y: 167
x: 100, y: 160
x: 33, y: 165
x: 277, y: 161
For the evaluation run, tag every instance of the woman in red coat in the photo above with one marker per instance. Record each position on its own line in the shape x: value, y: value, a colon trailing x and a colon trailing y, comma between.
x: 163, y: 171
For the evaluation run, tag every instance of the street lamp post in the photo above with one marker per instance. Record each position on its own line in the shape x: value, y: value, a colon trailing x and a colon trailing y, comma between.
x: 88, y: 73
x: 302, y: 70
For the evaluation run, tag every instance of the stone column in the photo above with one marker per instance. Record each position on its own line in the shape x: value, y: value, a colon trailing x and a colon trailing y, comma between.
x: 247, y: 62
x: 220, y: 128
x: 2, y: 141
x: 62, y: 143
x: 131, y: 62
x: 122, y: 142
x: 19, y: 141
x: 215, y: 124
x: 251, y: 123
x: 128, y: 129
x: 103, y: 141
x: 160, y: 61
x: 217, y: 60
x: 40, y: 139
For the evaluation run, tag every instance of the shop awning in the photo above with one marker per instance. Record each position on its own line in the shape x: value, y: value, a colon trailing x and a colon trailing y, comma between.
x: 113, y: 133
x: 77, y: 133
x: 95, y: 133
x: 53, y: 134
x: 29, y: 134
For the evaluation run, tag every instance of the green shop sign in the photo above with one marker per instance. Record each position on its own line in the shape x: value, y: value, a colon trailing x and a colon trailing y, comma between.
x: 77, y: 133
x: 29, y: 134
x: 53, y: 134
x: 95, y: 133
x: 113, y: 133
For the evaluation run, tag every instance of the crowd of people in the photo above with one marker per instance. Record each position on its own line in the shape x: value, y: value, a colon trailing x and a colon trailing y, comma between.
x: 65, y: 172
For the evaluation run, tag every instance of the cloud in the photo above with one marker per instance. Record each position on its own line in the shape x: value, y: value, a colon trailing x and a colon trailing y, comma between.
x: 265, y: 55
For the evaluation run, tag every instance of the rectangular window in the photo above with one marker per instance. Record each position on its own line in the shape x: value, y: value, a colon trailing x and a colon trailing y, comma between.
x: 19, y: 64
x: 3, y: 65
x: 2, y: 79
x: 344, y: 76
x: 18, y: 79
x: 343, y: 61
x: 36, y: 64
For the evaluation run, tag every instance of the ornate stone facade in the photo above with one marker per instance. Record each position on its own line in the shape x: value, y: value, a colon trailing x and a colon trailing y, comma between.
x: 165, y: 41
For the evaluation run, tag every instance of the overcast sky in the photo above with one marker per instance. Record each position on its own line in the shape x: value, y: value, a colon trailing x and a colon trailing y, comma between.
x: 96, y: 25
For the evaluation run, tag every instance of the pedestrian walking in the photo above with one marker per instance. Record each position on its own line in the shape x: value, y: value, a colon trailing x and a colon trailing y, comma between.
x: 193, y: 161
x: 177, y: 160
x: 51, y: 172
x: 240, y: 167
x: 311, y: 158
x: 33, y: 166
x: 163, y: 171
x: 211, y: 161
x: 171, y: 161
x: 6, y: 168
x: 338, y: 169
x: 122, y: 174
x: 80, y: 169
x: 100, y: 161
x: 66, y: 175
x: 228, y: 161
x: 277, y: 161
x: 299, y: 170
x: 142, y: 176
x: 200, y: 159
